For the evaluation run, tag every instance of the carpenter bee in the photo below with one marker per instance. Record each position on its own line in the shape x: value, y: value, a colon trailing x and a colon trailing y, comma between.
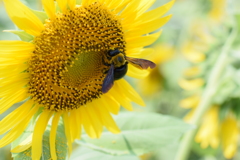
x: 119, y: 67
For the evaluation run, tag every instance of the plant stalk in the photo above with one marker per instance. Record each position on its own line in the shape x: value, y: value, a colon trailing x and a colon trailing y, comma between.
x: 207, y: 96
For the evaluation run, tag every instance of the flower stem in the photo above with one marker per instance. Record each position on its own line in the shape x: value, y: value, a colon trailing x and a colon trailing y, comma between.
x: 207, y: 96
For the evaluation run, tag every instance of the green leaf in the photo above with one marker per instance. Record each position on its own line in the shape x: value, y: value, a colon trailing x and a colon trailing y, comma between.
x: 237, y: 21
x: 22, y: 35
x: 227, y: 87
x: 41, y: 15
x: 237, y: 17
x: 61, y: 146
x: 224, y: 110
x: 235, y: 107
x: 140, y: 133
x: 84, y: 153
x: 204, y: 151
x: 232, y: 104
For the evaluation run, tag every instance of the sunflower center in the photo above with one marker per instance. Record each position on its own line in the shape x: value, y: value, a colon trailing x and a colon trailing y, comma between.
x: 68, y: 65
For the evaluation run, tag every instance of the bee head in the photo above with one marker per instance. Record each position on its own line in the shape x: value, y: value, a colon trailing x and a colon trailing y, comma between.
x: 117, y: 57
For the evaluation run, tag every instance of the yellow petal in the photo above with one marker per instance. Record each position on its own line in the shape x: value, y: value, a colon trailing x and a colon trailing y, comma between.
x: 12, y: 79
x: 53, y: 132
x: 68, y: 132
x: 8, y: 101
x: 218, y: 10
x: 190, y: 102
x: 208, y: 133
x: 86, y: 122
x: 79, y: 124
x: 38, y: 134
x: 129, y: 91
x: 113, y: 5
x: 191, y: 84
x: 110, y: 103
x: 130, y: 9
x: 136, y: 73
x: 23, y: 17
x: 63, y: 5
x: 152, y: 84
x: 193, y: 71
x: 72, y: 4
x: 148, y: 26
x: 16, y: 47
x: 192, y: 53
x: 121, y: 98
x: 229, y: 136
x: 87, y: 2
x: 15, y: 117
x: 13, y: 61
x: 49, y: 7
x: 151, y: 15
x: 7, y: 90
x: 195, y: 56
x: 94, y: 117
x: 18, y: 130
x: 107, y: 120
x: 84, y: 2
x: 142, y: 40
x: 163, y: 52
x: 133, y: 51
x: 19, y: 78
x: 72, y: 125
x: 145, y: 5
x: 144, y: 52
x: 117, y: 6
x: 14, y: 70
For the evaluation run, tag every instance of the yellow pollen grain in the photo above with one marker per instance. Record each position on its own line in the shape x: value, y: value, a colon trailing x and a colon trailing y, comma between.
x: 69, y: 62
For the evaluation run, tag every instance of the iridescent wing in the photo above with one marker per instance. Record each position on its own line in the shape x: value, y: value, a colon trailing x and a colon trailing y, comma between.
x: 141, y: 63
x: 108, y: 81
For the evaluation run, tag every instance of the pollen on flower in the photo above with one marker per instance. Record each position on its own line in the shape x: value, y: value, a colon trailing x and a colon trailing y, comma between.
x: 68, y: 65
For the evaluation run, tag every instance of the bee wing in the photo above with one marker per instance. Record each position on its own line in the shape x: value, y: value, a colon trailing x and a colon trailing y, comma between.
x: 141, y: 63
x: 108, y: 81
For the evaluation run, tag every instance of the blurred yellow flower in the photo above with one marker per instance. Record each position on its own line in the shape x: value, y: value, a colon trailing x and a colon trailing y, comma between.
x: 153, y: 82
x: 208, y: 133
x: 192, y: 54
x: 198, y: 43
x: 190, y: 102
x: 218, y: 9
x: 229, y: 134
x: 192, y: 84
x: 192, y: 71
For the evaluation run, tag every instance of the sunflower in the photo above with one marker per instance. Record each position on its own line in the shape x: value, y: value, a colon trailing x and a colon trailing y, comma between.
x: 68, y: 64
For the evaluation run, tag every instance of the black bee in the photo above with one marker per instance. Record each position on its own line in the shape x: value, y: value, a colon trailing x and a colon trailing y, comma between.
x: 119, y: 67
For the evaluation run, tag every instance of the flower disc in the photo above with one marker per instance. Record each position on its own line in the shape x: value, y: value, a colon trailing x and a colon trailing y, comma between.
x: 69, y: 63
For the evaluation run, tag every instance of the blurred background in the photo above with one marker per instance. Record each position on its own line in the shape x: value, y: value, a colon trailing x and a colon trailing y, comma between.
x: 185, y: 54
